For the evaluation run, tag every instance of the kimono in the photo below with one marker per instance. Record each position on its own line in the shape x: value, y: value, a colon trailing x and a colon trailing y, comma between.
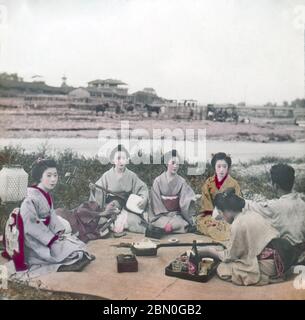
x: 286, y: 214
x: 205, y: 222
x: 162, y: 190
x: 128, y: 183
x: 241, y: 264
x: 39, y: 228
x: 211, y: 187
x: 85, y: 221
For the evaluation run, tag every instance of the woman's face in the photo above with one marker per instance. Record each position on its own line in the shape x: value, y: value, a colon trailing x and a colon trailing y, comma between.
x: 49, y: 178
x: 120, y: 160
x: 173, y: 165
x: 221, y: 169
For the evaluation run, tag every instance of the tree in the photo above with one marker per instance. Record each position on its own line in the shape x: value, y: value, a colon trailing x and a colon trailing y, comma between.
x: 298, y: 103
x: 10, y: 77
x: 268, y: 104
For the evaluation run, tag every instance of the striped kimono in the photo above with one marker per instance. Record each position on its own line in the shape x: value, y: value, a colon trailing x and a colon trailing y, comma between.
x: 164, y: 189
x: 128, y: 183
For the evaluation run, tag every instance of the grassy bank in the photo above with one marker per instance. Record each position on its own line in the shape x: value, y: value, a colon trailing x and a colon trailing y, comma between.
x: 70, y: 195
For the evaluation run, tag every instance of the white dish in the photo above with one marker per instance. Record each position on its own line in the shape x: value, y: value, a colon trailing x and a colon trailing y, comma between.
x: 173, y: 240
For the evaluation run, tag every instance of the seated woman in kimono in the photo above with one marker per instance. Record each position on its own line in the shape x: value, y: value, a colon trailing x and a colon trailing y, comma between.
x: 172, y: 199
x: 121, y: 181
x: 255, y: 255
x: 41, y: 246
x: 219, y: 182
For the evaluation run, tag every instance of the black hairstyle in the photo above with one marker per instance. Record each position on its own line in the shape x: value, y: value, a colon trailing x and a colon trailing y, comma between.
x: 283, y: 175
x: 168, y: 155
x: 228, y: 200
x: 118, y: 148
x: 40, y: 166
x: 221, y: 156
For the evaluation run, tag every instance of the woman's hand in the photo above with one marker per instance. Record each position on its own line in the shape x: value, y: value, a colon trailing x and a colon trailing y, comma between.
x: 211, y: 252
x: 112, y: 208
x: 168, y: 228
x: 61, y: 235
x: 104, y: 214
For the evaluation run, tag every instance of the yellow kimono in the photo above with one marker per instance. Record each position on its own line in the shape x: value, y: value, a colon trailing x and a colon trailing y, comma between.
x: 217, y: 230
x: 209, y: 191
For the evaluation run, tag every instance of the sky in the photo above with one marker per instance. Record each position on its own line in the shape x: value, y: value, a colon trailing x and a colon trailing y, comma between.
x: 214, y: 51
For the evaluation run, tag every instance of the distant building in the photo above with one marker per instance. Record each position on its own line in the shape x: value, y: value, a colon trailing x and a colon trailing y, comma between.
x: 109, y: 88
x: 79, y: 93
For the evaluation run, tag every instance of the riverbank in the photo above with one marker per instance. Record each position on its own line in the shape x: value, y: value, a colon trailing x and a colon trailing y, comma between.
x: 54, y: 123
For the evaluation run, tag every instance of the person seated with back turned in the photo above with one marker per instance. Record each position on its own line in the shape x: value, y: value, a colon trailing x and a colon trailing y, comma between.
x: 256, y: 254
x: 286, y: 213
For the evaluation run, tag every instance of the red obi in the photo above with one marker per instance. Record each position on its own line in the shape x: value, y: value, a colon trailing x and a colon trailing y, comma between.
x: 13, y: 241
x: 171, y: 203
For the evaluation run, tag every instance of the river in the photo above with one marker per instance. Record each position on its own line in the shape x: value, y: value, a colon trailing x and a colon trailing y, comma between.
x: 240, y: 151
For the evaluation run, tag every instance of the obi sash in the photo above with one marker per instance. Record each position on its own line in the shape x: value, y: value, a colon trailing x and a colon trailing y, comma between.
x: 282, y: 252
x: 13, y: 240
x: 171, y: 203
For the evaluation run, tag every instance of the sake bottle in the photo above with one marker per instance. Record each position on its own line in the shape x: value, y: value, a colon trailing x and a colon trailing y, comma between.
x: 194, y: 258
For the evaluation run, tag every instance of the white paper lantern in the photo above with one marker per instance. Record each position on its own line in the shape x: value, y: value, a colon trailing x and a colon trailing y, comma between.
x: 13, y: 183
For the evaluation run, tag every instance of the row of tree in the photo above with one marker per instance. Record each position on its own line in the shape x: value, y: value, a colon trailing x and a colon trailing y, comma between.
x: 297, y: 103
x: 12, y: 84
x: 10, y: 77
